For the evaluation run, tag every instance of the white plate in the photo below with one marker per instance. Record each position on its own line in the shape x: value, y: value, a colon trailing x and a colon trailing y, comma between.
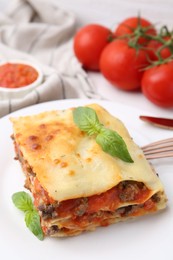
x: 148, y: 237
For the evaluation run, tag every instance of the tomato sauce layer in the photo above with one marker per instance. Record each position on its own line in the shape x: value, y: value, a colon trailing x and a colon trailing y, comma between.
x: 96, y: 210
x: 127, y: 191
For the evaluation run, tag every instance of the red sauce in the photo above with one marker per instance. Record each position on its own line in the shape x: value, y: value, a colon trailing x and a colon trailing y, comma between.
x: 14, y: 75
x: 108, y: 200
x: 82, y: 210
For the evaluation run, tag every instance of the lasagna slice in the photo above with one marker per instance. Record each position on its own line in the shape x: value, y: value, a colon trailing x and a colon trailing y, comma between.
x: 76, y: 186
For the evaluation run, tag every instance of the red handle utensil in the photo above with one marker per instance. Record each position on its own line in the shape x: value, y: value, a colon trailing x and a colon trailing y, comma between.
x: 158, y: 121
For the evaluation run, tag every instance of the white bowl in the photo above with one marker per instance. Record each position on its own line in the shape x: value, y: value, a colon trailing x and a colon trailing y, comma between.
x: 10, y: 93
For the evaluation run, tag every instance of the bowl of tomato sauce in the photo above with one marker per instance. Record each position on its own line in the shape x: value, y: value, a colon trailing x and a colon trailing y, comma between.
x: 18, y: 78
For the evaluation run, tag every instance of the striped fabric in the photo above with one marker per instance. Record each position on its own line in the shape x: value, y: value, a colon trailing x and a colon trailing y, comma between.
x: 39, y: 31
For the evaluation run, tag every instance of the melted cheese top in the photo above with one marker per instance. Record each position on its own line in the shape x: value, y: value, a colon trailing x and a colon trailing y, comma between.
x: 70, y: 164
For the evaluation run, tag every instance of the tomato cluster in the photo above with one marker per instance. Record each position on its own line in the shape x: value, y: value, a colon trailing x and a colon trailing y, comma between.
x: 134, y: 56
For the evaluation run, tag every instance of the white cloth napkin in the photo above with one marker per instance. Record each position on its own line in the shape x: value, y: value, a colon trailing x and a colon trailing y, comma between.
x: 39, y: 31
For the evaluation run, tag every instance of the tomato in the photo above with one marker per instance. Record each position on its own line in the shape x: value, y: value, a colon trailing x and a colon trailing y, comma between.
x: 157, y: 84
x: 122, y: 65
x: 154, y: 46
x: 133, y: 26
x: 89, y: 43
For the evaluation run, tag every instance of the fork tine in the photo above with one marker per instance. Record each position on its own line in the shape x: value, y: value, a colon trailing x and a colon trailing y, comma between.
x: 158, y: 156
x: 160, y: 142
x: 159, y: 149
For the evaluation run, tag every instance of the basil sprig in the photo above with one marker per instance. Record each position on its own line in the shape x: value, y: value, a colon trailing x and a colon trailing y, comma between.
x: 23, y: 201
x: 110, y: 141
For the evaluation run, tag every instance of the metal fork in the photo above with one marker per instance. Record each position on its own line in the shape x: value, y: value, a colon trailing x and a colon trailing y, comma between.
x: 159, y: 149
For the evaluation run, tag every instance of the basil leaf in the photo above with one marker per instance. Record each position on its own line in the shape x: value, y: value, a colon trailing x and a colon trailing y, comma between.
x: 32, y: 220
x: 86, y: 119
x: 113, y: 144
x: 110, y: 141
x: 22, y: 201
